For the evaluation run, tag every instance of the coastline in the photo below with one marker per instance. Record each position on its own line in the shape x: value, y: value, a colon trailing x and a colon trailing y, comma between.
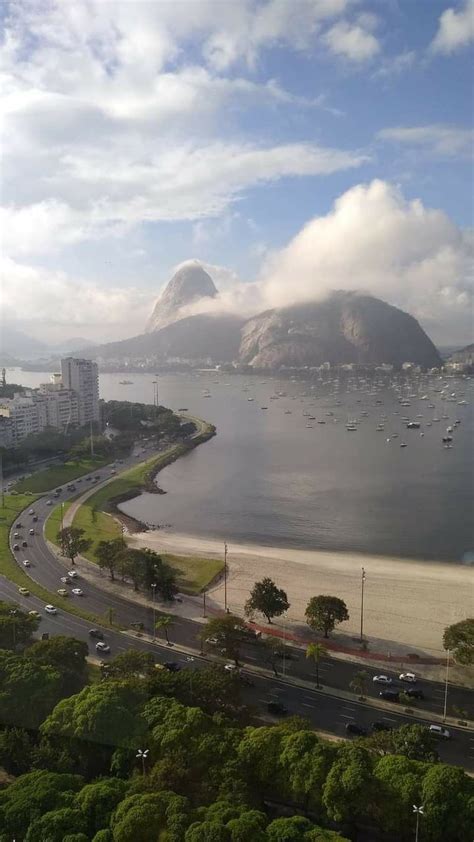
x: 407, y: 603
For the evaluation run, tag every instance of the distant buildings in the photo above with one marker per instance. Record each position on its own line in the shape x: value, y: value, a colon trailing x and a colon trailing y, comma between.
x: 69, y: 399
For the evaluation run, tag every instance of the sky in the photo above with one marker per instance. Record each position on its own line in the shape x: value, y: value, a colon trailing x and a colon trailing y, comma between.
x: 291, y: 146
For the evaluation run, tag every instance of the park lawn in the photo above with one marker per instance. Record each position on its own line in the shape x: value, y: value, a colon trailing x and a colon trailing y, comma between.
x: 194, y: 573
x: 53, y: 522
x: 50, y: 478
x: 98, y: 526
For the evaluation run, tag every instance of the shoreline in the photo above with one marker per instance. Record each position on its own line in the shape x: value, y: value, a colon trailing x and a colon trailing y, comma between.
x: 407, y: 602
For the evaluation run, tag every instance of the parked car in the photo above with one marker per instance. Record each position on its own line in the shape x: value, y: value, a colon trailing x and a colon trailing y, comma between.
x: 382, y: 679
x: 440, y: 732
x: 415, y: 693
x: 172, y: 666
x: 410, y: 677
x: 24, y: 591
x: 102, y: 647
x: 357, y: 730
x: 50, y: 609
x: 277, y: 708
x: 380, y: 725
x: 390, y: 695
x: 96, y: 633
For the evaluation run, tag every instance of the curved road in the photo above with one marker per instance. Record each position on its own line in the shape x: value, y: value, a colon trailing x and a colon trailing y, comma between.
x: 327, y: 712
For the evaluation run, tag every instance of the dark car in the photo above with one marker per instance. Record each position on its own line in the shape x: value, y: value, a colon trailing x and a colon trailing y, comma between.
x: 357, y: 730
x: 24, y: 543
x: 172, y: 666
x: 277, y: 708
x: 380, y: 725
x: 96, y: 633
x: 18, y: 526
x: 35, y: 518
x: 415, y: 693
x: 16, y: 547
x: 390, y: 695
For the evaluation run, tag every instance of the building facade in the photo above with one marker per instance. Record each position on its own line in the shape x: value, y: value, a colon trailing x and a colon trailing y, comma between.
x: 82, y: 377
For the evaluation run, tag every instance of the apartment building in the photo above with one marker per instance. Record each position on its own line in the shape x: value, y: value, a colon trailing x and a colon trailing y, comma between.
x: 82, y: 377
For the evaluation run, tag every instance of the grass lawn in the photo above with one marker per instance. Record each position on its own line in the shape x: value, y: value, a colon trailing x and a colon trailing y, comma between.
x: 194, y: 573
x: 43, y: 481
x: 53, y: 523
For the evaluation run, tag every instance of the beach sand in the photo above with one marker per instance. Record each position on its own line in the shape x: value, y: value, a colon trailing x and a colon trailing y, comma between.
x: 407, y: 603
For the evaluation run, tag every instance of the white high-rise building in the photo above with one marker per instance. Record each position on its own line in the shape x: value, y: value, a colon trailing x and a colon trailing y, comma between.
x: 82, y: 376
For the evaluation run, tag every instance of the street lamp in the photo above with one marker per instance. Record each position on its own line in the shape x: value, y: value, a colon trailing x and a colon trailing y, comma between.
x: 225, y: 578
x: 419, y: 812
x: 362, y: 604
x: 13, y: 615
x: 446, y: 680
x: 153, y: 589
x: 142, y: 755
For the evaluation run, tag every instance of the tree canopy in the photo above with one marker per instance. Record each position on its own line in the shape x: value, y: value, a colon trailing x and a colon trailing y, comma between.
x: 459, y: 639
x: 323, y: 613
x: 268, y: 599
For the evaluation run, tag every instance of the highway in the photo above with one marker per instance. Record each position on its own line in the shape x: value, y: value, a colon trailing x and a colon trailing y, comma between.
x: 325, y: 711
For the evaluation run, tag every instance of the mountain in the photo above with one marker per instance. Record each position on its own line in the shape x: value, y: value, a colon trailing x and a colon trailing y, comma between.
x: 18, y: 344
x: 347, y: 327
x: 73, y: 344
x: 464, y: 356
x: 205, y: 336
x: 189, y: 284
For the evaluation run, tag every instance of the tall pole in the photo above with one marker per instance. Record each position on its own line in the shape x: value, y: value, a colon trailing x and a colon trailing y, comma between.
x: 419, y: 812
x: 446, y: 686
x: 92, y: 442
x: 62, y: 516
x: 225, y: 578
x: 362, y: 605
x: 153, y: 589
x: 1, y: 479
x: 204, y: 603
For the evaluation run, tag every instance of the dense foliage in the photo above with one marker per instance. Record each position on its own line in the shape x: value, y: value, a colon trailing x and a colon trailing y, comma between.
x: 459, y: 639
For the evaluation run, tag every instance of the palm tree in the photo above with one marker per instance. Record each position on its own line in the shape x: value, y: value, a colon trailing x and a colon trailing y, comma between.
x: 316, y: 651
x: 165, y: 622
x: 359, y: 683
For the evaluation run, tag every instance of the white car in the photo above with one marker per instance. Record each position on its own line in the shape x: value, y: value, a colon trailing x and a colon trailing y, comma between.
x: 230, y: 667
x: 440, y: 731
x: 34, y: 613
x: 65, y: 580
x: 24, y: 591
x: 72, y: 574
x: 26, y: 563
x: 212, y: 641
x: 31, y: 512
x: 408, y: 676
x: 77, y: 592
x: 50, y: 609
x: 102, y: 647
x: 49, y: 502
x: 382, y: 679
x: 32, y: 531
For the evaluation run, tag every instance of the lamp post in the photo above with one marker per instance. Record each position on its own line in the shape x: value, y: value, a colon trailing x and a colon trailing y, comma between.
x: 362, y: 581
x: 142, y: 755
x: 204, y: 603
x: 225, y: 578
x: 446, y: 680
x: 419, y: 812
x: 13, y: 615
x: 153, y: 589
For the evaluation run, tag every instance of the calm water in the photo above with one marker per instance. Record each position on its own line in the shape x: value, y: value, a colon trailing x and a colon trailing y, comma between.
x: 267, y: 478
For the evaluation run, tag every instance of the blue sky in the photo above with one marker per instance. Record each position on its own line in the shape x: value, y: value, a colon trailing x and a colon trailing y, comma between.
x: 244, y: 134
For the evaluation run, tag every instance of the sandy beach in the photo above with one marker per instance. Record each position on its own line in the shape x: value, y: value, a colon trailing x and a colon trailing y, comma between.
x: 407, y: 603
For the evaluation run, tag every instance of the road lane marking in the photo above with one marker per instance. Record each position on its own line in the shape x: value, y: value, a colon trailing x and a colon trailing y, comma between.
x: 303, y: 704
x: 345, y: 716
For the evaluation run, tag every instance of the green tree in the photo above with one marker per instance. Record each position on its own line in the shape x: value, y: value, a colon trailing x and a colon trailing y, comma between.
x: 212, y: 689
x: 305, y: 762
x: 273, y: 651
x: 16, y: 626
x: 56, y: 826
x: 108, y: 554
x: 15, y: 750
x: 165, y: 621
x: 400, y: 782
x: 316, y: 651
x: 32, y: 795
x: 65, y: 654
x: 459, y: 639
x: 412, y: 741
x: 228, y: 630
x: 349, y: 791
x: 28, y: 691
x: 72, y: 542
x: 324, y: 612
x: 145, y: 817
x: 98, y: 800
x: 267, y: 599
x: 448, y: 798
x: 132, y: 664
x: 359, y: 683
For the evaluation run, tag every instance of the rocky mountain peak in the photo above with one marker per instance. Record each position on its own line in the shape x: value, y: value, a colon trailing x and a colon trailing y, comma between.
x: 189, y: 284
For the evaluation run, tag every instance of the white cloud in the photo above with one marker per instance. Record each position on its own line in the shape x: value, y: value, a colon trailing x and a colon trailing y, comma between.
x: 439, y: 140
x: 375, y: 240
x: 455, y: 29
x: 393, y: 66
x: 352, y: 42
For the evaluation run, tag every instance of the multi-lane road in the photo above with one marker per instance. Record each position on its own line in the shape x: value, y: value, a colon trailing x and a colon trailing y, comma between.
x: 325, y: 709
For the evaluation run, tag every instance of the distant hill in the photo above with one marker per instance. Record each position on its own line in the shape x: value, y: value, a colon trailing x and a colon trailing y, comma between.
x: 464, y: 355
x: 191, y: 283
x: 346, y: 327
x: 16, y: 343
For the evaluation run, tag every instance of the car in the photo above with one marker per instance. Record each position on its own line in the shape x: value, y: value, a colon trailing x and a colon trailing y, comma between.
x: 32, y: 532
x: 24, y: 591
x: 439, y: 731
x: 113, y: 472
x: 35, y: 519
x: 390, y: 695
x: 73, y: 574
x: 49, y: 502
x: 65, y: 580
x: 96, y: 633
x: 277, y: 708
x: 31, y: 512
x: 18, y: 526
x: 382, y: 679
x: 244, y: 679
x: 62, y: 592
x: 357, y: 730
x: 213, y: 641
x: 16, y: 547
x: 410, y: 677
x: 97, y: 476
x: 172, y: 666
x: 26, y: 562
x: 415, y: 693
x: 230, y: 667
x: 380, y: 725
x: 77, y: 592
x: 50, y: 609
x: 16, y: 534
x: 24, y: 543
x: 102, y: 647
x: 34, y: 613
